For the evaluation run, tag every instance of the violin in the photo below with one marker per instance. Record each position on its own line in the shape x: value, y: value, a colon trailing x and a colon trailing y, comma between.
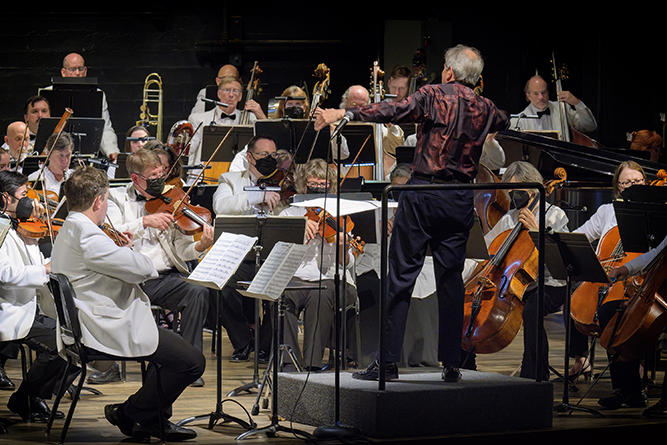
x: 36, y: 228
x: 330, y: 226
x: 189, y: 219
x: 493, y: 300
x: 114, y: 234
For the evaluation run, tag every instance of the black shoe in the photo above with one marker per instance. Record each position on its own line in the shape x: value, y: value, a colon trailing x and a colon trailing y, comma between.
x: 19, y: 403
x: 117, y: 417
x: 242, y: 354
x: 659, y: 410
x: 40, y: 411
x: 621, y: 398
x: 373, y: 372
x: 5, y: 382
x: 263, y: 357
x: 172, y: 432
x: 451, y: 374
x: 109, y: 376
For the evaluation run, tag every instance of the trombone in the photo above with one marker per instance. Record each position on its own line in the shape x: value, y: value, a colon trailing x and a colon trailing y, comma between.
x: 152, y: 94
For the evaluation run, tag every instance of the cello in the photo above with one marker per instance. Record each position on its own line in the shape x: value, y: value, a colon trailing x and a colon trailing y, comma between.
x: 253, y: 88
x: 490, y: 204
x: 493, y: 304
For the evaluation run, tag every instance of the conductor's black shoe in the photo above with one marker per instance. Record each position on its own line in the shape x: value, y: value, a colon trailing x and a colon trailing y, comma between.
x: 659, y: 410
x: 373, y: 372
x: 242, y: 354
x: 172, y: 432
x: 109, y: 376
x: 451, y: 374
x: 115, y: 415
x: 5, y: 382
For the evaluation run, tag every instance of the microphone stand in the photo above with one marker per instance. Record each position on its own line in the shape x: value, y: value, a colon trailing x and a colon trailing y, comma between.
x: 337, y: 431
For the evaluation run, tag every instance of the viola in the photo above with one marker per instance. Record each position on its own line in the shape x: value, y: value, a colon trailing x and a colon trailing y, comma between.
x: 189, y: 219
x: 493, y: 305
x: 283, y: 178
x: 114, y: 234
x: 36, y: 228
x: 587, y: 299
x: 330, y: 226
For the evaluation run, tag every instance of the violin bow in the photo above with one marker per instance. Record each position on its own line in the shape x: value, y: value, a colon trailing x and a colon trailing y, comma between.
x: 66, y: 115
x: 202, y: 170
x: 355, y: 160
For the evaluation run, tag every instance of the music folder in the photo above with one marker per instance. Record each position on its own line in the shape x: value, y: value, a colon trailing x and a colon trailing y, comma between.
x: 237, y: 140
x: 86, y: 133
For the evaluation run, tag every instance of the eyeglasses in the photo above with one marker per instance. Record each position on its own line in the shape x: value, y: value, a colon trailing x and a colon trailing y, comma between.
x: 630, y: 183
x: 315, y: 184
x: 265, y: 154
x: 74, y: 69
x: 235, y: 91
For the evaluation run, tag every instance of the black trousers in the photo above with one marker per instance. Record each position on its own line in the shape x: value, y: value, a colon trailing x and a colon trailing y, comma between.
x: 440, y: 220
x: 171, y: 292
x: 48, y: 365
x: 238, y: 312
x: 181, y: 364
x: 554, y: 298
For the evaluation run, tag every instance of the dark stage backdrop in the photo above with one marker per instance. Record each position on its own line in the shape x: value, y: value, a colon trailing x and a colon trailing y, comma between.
x: 615, y: 65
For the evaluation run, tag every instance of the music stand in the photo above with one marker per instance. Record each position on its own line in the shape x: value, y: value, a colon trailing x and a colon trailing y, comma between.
x: 86, y: 133
x: 269, y: 230
x: 77, y: 93
x: 291, y: 134
x: 356, y: 134
x: 235, y: 142
x: 642, y: 203
x: 570, y: 257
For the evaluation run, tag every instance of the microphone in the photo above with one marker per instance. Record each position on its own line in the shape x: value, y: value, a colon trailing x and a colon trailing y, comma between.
x: 211, y: 101
x: 343, y: 122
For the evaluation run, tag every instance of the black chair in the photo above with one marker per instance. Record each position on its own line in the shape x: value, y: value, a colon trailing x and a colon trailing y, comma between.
x: 77, y: 353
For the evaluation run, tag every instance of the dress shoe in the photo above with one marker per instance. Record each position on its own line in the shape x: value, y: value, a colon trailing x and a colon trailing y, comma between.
x: 659, y: 410
x: 197, y: 383
x: 5, y: 382
x: 263, y: 357
x: 109, y: 376
x: 373, y: 372
x: 172, y: 432
x: 19, y: 403
x: 115, y: 415
x: 242, y: 354
x: 451, y: 374
x: 622, y: 398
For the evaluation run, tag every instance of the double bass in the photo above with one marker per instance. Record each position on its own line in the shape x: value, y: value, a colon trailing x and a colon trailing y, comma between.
x: 493, y: 305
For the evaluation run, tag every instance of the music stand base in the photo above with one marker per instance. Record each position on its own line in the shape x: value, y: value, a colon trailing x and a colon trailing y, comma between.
x: 215, y: 417
x: 566, y: 407
x: 332, y: 432
x: 248, y: 387
x: 272, y: 429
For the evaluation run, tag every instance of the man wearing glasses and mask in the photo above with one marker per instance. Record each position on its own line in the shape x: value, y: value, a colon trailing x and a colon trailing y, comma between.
x: 156, y: 237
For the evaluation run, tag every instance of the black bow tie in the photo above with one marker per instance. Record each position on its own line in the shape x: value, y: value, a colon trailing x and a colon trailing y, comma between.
x: 229, y: 116
x: 546, y: 111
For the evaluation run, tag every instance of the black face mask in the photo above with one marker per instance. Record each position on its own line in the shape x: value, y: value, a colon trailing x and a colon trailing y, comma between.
x: 294, y: 112
x: 154, y: 187
x: 266, y: 165
x: 519, y: 199
x: 321, y: 190
x: 24, y: 208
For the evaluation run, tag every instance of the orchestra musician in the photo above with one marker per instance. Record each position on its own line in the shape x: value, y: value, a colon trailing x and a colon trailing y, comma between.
x: 439, y: 219
x: 625, y: 376
x: 136, y: 138
x: 156, y: 237
x: 107, y: 282
x: 224, y: 71
x: 57, y: 169
x: 5, y: 160
x: 75, y: 66
x: 536, y: 90
x: 35, y: 108
x: 27, y: 312
x: 318, y: 266
x: 399, y: 82
x: 230, y: 198
x: 17, y: 141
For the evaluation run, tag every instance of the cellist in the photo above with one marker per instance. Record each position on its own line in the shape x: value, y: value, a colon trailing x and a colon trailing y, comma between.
x: 626, y: 381
x: 554, y: 290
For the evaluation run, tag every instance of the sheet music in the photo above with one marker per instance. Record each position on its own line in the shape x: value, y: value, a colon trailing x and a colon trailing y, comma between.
x: 277, y: 271
x: 222, y: 260
x: 347, y: 206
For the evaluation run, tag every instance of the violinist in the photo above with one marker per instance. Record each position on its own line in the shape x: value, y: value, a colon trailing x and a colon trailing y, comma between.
x: 536, y: 90
x: 172, y: 168
x: 27, y: 312
x: 58, y: 167
x: 116, y: 316
x: 626, y: 381
x: 319, y: 265
x: 156, y: 237
x: 555, y: 291
x: 439, y: 219
x: 230, y: 198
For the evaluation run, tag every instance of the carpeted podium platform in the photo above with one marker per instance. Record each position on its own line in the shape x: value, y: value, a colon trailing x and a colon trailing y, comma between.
x: 419, y: 403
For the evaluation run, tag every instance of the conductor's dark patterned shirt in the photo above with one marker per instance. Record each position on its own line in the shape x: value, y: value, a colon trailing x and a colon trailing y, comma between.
x: 453, y: 123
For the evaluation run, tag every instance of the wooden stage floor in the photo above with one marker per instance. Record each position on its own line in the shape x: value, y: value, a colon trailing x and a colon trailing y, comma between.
x: 90, y: 427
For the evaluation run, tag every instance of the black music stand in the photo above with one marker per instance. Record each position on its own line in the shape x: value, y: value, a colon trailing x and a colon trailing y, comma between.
x: 235, y: 142
x: 86, y: 133
x: 570, y: 257
x: 355, y: 134
x: 643, y: 203
x: 291, y: 134
x: 269, y: 230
